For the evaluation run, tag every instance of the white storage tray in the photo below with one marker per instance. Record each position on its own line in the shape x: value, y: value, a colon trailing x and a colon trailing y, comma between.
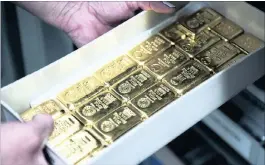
x: 171, y: 121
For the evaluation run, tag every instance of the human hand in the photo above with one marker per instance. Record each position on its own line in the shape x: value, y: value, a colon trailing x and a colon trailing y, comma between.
x: 23, y: 143
x: 85, y: 21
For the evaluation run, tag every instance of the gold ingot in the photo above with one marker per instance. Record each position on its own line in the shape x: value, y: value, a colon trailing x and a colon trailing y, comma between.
x: 154, y: 98
x: 115, y: 70
x: 80, y: 92
x: 98, y: 107
x: 227, y: 29
x: 231, y: 62
x: 202, y: 41
x: 118, y: 122
x: 174, y: 33
x: 150, y: 47
x: 248, y: 43
x: 217, y: 55
x: 134, y: 84
x: 187, y: 77
x: 50, y: 107
x: 201, y: 20
x: 79, y: 145
x: 64, y: 127
x: 165, y: 61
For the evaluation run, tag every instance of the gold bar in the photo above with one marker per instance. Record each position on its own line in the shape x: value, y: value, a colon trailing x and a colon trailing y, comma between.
x: 48, y: 107
x: 99, y: 106
x: 150, y: 47
x: 113, y: 71
x: 217, y: 55
x: 174, y: 33
x: 231, y: 62
x: 227, y: 29
x: 134, y: 84
x: 202, y: 41
x: 187, y: 77
x: 248, y: 43
x: 78, y: 93
x: 200, y: 21
x: 118, y: 122
x: 64, y: 127
x: 79, y: 145
x: 154, y: 98
x: 165, y: 61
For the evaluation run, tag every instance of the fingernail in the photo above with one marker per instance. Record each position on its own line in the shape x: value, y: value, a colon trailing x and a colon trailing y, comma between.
x: 168, y: 4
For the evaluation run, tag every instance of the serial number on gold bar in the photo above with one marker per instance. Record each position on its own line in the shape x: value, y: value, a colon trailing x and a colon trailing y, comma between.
x: 166, y: 60
x: 217, y: 55
x: 231, y: 62
x: 134, y: 84
x: 248, y: 42
x: 115, y: 70
x: 150, y: 47
x: 79, y: 145
x: 227, y: 29
x: 202, y: 41
x: 75, y: 95
x: 48, y: 107
x: 118, y: 122
x: 64, y: 127
x: 201, y: 20
x: 99, y: 106
x: 154, y: 98
x: 187, y: 77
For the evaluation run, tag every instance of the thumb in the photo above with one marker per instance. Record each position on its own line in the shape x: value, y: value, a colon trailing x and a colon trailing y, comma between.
x: 43, y: 126
x: 156, y: 6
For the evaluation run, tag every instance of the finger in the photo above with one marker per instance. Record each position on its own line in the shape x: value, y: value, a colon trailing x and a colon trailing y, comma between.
x: 43, y: 126
x: 41, y: 159
x: 157, y: 6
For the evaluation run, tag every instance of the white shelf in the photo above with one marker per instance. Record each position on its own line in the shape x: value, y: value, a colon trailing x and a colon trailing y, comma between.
x: 164, y: 126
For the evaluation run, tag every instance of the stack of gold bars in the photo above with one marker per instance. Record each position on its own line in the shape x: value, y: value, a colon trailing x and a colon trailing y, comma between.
x: 96, y: 111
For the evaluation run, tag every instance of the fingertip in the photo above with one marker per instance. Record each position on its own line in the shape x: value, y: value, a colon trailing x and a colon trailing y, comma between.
x: 159, y: 7
x: 43, y: 123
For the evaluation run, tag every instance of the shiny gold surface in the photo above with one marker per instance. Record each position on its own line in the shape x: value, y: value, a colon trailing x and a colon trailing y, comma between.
x: 248, y: 42
x: 202, y: 41
x: 149, y: 48
x: 118, y: 122
x: 64, y: 127
x: 134, y: 84
x: 187, y: 77
x: 201, y: 20
x: 174, y: 33
x: 227, y: 29
x: 113, y: 71
x: 99, y: 106
x: 154, y: 98
x: 78, y: 93
x: 49, y: 107
x: 166, y: 60
x: 79, y: 145
x: 230, y: 62
x: 217, y: 55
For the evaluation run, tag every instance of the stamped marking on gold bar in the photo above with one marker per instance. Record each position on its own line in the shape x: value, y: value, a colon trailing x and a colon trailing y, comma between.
x: 48, y: 107
x: 99, y: 106
x: 64, y: 127
x: 78, y: 93
x: 248, y: 42
x: 79, y: 145
x: 202, y: 41
x: 149, y: 48
x: 116, y: 69
x: 201, y: 20
x: 227, y: 29
x: 231, y: 62
x: 134, y: 84
x: 173, y: 33
x: 166, y: 60
x: 118, y: 122
x: 217, y: 55
x: 154, y: 98
x: 187, y: 77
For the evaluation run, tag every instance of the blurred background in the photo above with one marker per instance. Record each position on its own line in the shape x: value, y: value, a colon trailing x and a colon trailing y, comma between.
x: 29, y: 44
